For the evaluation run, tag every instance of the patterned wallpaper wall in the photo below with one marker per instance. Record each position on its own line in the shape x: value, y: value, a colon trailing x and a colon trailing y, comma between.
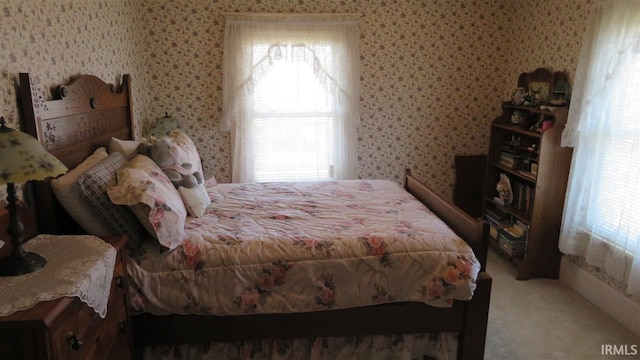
x: 433, y: 71
x: 55, y: 40
x: 546, y: 33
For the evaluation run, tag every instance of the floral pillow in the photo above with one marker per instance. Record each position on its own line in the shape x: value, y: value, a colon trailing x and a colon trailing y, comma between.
x: 187, y: 151
x: 195, y: 199
x: 149, y: 193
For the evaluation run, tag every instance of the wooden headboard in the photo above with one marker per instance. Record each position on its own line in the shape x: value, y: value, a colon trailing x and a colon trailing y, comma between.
x: 81, y: 116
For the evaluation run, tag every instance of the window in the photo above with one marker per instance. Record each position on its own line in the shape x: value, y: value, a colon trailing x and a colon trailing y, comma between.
x: 291, y: 96
x: 602, y: 207
x: 615, y: 214
x: 292, y: 117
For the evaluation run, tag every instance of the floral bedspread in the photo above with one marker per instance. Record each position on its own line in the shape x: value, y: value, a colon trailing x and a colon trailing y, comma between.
x: 293, y: 247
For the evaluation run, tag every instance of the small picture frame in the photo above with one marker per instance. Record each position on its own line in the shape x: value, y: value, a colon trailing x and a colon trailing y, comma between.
x: 539, y: 85
x: 534, y: 168
x: 539, y: 91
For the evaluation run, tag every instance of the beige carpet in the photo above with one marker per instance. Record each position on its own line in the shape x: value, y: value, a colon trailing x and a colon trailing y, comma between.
x: 545, y: 319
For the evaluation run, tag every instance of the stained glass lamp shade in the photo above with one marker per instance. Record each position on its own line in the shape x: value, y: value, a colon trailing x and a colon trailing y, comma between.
x: 22, y: 159
x: 163, y: 126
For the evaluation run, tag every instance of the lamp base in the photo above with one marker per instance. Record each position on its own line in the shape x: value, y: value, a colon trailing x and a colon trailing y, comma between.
x: 19, y: 265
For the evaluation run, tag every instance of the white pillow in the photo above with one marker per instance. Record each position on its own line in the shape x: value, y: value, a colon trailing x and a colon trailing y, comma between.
x: 125, y: 147
x: 195, y: 199
x: 66, y: 190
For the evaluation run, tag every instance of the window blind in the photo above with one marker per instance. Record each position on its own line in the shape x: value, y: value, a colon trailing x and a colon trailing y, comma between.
x: 292, y: 119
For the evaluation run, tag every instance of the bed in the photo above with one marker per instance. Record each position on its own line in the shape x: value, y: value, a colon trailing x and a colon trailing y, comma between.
x: 87, y: 113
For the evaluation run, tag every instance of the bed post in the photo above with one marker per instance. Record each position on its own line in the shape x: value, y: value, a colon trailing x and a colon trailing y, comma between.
x: 472, y: 338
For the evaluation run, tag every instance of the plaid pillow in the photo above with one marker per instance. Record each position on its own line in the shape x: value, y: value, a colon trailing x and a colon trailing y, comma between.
x: 93, y: 186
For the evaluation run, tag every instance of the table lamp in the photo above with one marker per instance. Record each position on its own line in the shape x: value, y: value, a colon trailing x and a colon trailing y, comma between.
x: 22, y: 158
x: 163, y: 126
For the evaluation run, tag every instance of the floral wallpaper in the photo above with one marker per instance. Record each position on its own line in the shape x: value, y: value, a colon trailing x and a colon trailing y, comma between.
x: 433, y: 72
x: 55, y: 40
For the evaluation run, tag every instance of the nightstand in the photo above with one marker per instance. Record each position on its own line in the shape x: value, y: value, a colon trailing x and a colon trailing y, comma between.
x: 66, y: 328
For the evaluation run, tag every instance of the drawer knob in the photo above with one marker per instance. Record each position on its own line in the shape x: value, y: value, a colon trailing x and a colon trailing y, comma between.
x: 120, y: 281
x: 74, y: 342
x: 122, y: 325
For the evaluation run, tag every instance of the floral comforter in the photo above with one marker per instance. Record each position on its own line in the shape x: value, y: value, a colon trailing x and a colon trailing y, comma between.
x: 294, y: 247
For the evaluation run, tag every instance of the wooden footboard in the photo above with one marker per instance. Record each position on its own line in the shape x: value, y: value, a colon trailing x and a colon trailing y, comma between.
x: 474, y: 232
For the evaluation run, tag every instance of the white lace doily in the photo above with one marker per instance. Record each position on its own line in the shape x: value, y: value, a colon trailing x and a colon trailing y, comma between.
x: 77, y: 265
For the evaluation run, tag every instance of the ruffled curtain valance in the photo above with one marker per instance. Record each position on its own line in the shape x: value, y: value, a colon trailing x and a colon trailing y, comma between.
x: 291, y: 37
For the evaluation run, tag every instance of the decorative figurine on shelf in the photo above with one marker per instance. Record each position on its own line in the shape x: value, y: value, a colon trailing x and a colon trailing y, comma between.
x: 517, y: 98
x: 538, y: 124
x: 505, y: 195
x: 520, y: 118
x: 530, y: 101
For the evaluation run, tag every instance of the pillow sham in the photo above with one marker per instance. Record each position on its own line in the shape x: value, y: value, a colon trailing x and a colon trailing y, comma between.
x: 195, y: 199
x: 127, y: 148
x: 93, y: 185
x: 187, y: 151
x: 141, y: 181
x: 66, y: 190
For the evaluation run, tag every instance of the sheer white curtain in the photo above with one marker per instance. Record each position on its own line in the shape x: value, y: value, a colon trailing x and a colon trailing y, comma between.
x: 602, y: 209
x: 291, y: 96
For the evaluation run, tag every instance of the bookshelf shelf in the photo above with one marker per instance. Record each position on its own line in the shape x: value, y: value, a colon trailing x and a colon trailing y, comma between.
x: 518, y: 214
x: 517, y: 260
x: 538, y: 168
x: 518, y: 129
x: 524, y: 175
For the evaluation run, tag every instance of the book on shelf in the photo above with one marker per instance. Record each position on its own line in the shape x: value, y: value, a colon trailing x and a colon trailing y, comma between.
x: 496, y: 226
x: 509, y: 147
x: 496, y: 214
x: 520, y: 190
x: 492, y: 221
x: 506, y: 158
x: 527, y: 199
x: 514, y: 232
x: 522, y: 193
x: 510, y: 160
x: 493, y: 231
x: 521, y: 226
x: 497, y: 223
x: 501, y: 202
x: 511, y: 246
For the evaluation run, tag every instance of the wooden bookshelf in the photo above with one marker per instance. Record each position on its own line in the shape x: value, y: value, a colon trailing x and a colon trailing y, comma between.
x: 546, y: 188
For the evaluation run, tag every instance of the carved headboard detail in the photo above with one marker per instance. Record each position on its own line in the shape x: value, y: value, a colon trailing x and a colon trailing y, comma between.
x: 82, y: 116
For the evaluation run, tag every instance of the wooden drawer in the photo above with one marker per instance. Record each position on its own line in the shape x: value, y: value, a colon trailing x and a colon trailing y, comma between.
x: 47, y: 330
x: 96, y: 335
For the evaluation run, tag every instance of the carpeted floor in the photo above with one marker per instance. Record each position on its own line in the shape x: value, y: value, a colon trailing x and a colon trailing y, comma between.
x: 545, y: 319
